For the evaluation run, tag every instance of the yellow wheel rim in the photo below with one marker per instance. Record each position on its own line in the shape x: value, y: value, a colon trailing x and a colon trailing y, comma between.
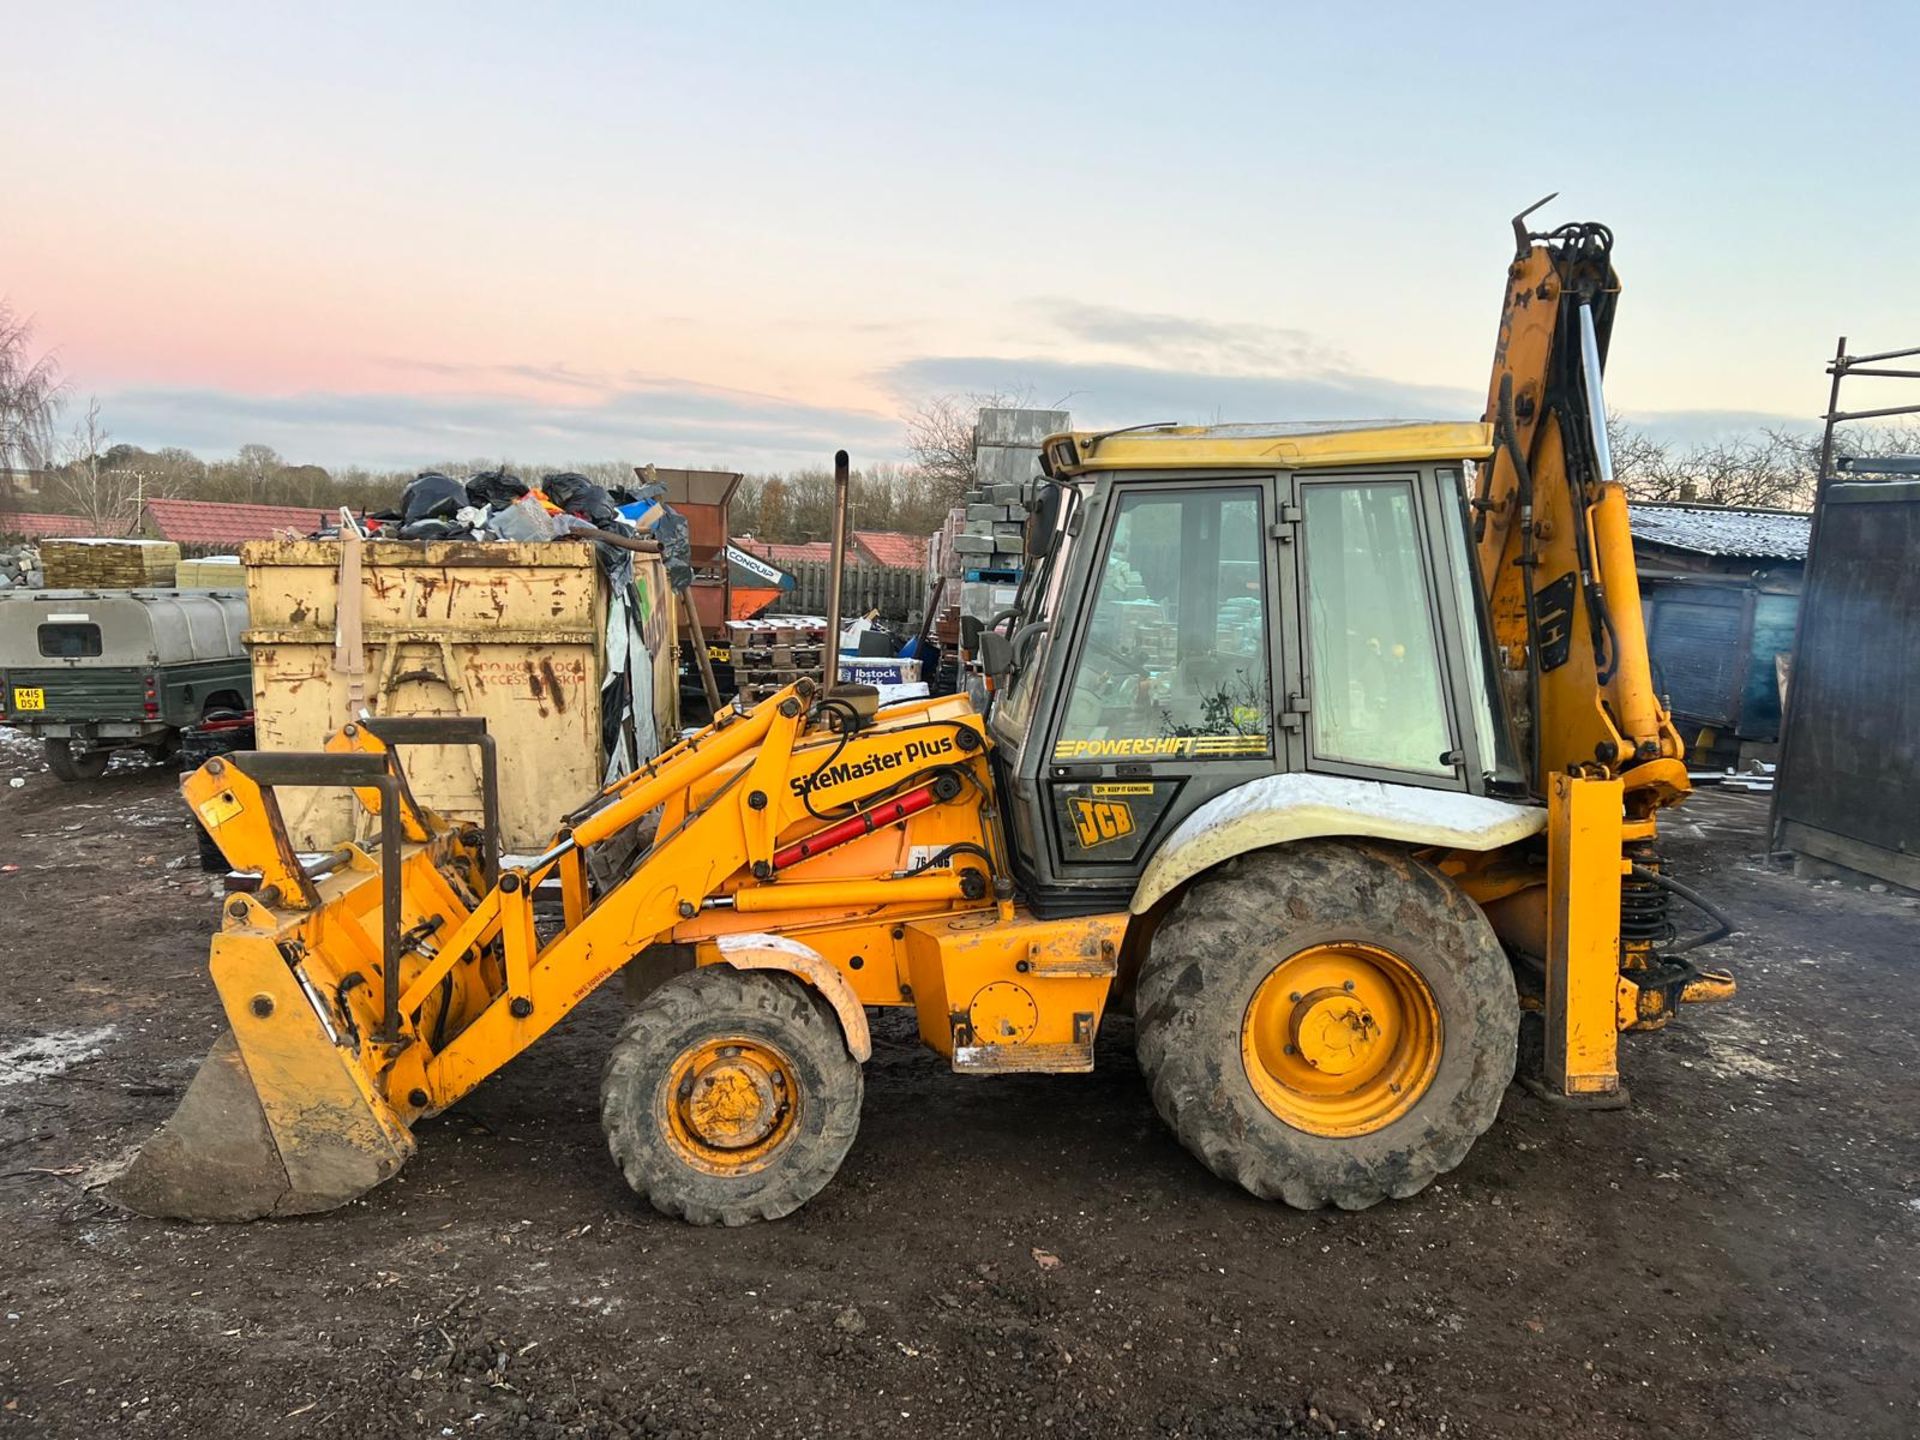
x: 730, y: 1104
x: 1341, y: 1039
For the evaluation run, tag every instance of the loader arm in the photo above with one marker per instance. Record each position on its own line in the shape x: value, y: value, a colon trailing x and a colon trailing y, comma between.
x: 383, y: 985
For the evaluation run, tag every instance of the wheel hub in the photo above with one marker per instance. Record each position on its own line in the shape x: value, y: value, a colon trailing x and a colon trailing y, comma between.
x: 1333, y: 1032
x: 729, y: 1103
x: 1341, y: 1039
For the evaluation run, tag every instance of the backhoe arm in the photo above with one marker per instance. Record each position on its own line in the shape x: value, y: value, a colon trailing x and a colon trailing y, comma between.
x: 1551, y: 527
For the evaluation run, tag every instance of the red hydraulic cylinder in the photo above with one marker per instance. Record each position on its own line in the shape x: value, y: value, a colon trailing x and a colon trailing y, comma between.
x: 853, y: 827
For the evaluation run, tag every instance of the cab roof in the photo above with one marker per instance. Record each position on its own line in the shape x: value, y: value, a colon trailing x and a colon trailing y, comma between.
x: 1288, y: 445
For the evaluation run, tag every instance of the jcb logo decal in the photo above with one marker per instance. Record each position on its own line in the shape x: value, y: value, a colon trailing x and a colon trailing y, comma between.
x: 1098, y: 821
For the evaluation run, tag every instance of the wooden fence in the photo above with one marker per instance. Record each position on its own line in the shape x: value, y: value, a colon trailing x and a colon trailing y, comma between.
x: 899, y: 595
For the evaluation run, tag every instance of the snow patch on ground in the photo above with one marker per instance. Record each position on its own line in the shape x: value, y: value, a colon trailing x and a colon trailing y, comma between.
x: 18, y: 745
x: 43, y: 1056
x: 1739, y: 1049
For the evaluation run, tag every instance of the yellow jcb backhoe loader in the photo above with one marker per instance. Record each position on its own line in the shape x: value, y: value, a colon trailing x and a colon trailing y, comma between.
x: 1333, y: 751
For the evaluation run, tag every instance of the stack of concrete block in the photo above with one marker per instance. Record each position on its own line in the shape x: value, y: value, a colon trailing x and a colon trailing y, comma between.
x: 989, y: 539
x: 943, y: 560
x: 20, y: 568
x: 993, y: 532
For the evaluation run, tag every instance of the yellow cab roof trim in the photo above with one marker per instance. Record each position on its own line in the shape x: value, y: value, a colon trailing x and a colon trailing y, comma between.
x: 1252, y: 447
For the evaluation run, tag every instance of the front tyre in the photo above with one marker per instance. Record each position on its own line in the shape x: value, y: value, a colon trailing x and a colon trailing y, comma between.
x: 730, y: 1096
x: 1331, y: 1023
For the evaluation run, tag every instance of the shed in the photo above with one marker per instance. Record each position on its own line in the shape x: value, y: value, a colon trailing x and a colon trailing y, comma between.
x: 1721, y: 591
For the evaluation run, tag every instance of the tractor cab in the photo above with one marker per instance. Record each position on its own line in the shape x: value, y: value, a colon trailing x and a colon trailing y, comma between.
x: 1211, y: 607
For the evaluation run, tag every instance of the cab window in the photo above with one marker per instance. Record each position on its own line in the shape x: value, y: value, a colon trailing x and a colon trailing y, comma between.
x: 1375, y: 678
x: 69, y: 641
x: 1174, y: 660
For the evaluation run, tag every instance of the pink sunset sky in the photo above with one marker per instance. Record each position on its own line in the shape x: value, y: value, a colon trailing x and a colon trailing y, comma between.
x: 745, y: 235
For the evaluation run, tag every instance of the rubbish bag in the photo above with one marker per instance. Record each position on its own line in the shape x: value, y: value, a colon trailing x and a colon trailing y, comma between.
x: 578, y: 495
x: 432, y: 496
x: 433, y: 529
x: 525, y: 519
x: 495, y: 488
x: 676, y: 546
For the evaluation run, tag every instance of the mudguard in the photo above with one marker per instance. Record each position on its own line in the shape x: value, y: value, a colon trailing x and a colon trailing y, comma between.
x: 1277, y: 809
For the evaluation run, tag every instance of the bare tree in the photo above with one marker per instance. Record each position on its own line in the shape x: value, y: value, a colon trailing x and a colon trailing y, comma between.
x: 107, y: 495
x: 1773, y: 470
x: 940, y: 439
x: 799, y: 507
x: 30, y: 395
x: 255, y: 466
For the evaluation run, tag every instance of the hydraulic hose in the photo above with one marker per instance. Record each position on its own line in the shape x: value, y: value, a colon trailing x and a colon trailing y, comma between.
x: 1723, y: 923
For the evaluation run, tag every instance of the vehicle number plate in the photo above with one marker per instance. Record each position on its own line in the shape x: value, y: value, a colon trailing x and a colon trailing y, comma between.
x: 29, y: 699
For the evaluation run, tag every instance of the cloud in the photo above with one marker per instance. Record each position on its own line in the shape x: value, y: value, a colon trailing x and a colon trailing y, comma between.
x: 1708, y: 427
x: 1194, y: 371
x: 668, y: 422
x: 1101, y: 394
x: 1183, y: 342
x: 1131, y: 367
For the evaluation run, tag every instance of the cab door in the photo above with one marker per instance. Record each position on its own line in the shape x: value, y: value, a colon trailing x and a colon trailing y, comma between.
x: 1379, y: 617
x: 1177, y: 679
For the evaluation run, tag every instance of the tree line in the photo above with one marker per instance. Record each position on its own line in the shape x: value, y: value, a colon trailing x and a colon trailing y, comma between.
x: 83, y: 471
x: 1772, y: 470
x: 109, y: 483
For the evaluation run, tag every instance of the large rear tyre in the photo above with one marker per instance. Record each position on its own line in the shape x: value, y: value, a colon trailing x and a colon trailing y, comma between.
x: 730, y: 1096
x: 1332, y: 1023
x: 68, y: 764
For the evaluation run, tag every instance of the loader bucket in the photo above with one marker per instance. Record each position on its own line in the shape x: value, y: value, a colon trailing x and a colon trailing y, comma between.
x: 283, y: 1116
x: 216, y: 1160
x: 290, y: 1111
x: 280, y: 1120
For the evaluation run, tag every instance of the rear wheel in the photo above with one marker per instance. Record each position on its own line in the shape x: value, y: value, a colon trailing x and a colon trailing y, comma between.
x: 69, y: 764
x: 1332, y: 1023
x: 730, y: 1096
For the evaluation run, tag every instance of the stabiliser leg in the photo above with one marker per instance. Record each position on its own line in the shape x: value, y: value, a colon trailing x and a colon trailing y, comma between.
x: 1580, y: 1061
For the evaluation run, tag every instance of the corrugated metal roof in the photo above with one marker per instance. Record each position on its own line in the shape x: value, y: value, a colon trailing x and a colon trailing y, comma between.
x: 33, y: 525
x: 211, y: 522
x: 1723, y: 530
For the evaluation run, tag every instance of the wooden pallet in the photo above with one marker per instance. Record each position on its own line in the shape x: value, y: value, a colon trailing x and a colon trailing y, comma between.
x: 762, y: 636
x: 778, y: 657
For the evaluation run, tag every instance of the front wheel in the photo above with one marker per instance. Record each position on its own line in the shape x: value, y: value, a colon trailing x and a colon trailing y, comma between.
x: 1332, y: 1023
x: 163, y: 752
x: 69, y: 764
x: 730, y: 1096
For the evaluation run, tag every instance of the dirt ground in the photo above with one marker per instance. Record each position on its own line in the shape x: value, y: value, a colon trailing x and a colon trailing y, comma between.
x: 1733, y: 1256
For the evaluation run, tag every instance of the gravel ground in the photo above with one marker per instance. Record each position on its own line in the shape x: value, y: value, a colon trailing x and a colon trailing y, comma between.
x: 1733, y: 1256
